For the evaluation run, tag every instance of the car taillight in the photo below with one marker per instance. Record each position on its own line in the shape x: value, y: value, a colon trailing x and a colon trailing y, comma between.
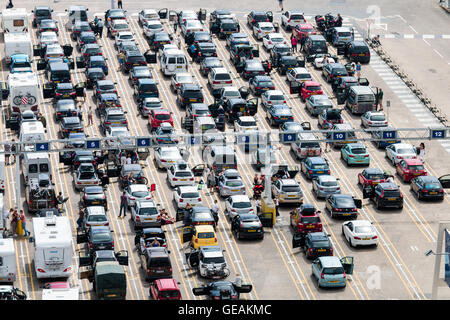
x: 228, y: 82
x: 310, y: 171
x: 259, y: 31
x: 196, y: 240
x: 269, y: 42
x: 321, y: 276
x: 357, y: 238
x: 138, y: 219
x: 216, y: 82
x: 401, y: 194
x: 366, y: 156
x: 310, y: 250
x: 375, y: 237
x: 174, y: 179
x: 40, y: 270
x: 132, y: 198
x: 91, y: 245
x: 368, y: 54
x: 337, y: 209
x: 199, y: 199
x: 107, y: 122
x: 354, y: 209
x: 351, y: 156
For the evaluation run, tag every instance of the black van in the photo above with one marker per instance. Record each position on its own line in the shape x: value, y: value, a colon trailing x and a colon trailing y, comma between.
x: 156, y: 264
x: 357, y: 51
x: 227, y: 27
x: 58, y: 72
x: 314, y: 44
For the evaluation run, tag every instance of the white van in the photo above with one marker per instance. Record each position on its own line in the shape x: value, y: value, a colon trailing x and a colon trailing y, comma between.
x: 34, y: 164
x: 173, y: 61
x: 14, y: 20
x: 52, y: 247
x: 16, y: 43
x: 32, y: 132
x: 23, y: 92
x: 8, y: 268
x: 2, y: 175
x: 61, y: 294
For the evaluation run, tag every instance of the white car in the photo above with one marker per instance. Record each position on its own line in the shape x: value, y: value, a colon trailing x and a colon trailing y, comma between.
x: 260, y: 29
x: 118, y: 135
x: 187, y: 194
x: 123, y: 36
x: 245, y: 123
x: 180, y: 174
x: 148, y: 15
x: 137, y: 192
x: 151, y: 27
x: 166, y: 156
x: 179, y: 78
x: 191, y: 26
x: 229, y: 93
x: 372, y: 119
x: 289, y: 19
x: 187, y: 15
x: 96, y: 216
x: 48, y: 37
x: 272, y: 97
x: 298, y: 75
x: 271, y: 39
x: 54, y: 51
x: 318, y: 62
x: 219, y: 78
x: 400, y: 151
x: 119, y: 25
x: 360, y: 233
x: 239, y: 204
x: 149, y: 104
x: 168, y: 46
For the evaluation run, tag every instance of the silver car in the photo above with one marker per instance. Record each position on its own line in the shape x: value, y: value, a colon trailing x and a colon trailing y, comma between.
x: 85, y: 176
x: 96, y: 216
x: 315, y: 104
x: 324, y: 185
x: 145, y: 214
x: 373, y: 119
x: 230, y: 183
x: 167, y: 156
x: 287, y: 191
x: 149, y: 104
x: 240, y: 204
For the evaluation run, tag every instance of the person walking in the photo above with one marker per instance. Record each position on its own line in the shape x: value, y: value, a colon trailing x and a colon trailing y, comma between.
x: 123, y: 204
x: 211, y: 179
x: 277, y: 204
x: 14, y: 220
x: 24, y: 224
x: 175, y: 26
x: 7, y: 153
x: 100, y: 28
x: 294, y: 43
x: 380, y: 99
x: 302, y: 43
x: 421, y: 152
x: 358, y: 70
x: 13, y: 151
x: 10, y: 5
x: 119, y: 4
x: 280, y: 3
x: 90, y: 116
x: 80, y: 220
x: 42, y: 120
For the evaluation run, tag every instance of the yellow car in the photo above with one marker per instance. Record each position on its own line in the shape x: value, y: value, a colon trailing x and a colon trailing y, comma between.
x: 201, y: 235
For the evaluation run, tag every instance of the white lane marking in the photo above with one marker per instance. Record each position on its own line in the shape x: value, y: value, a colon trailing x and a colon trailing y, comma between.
x: 438, y: 53
x: 387, y: 78
x: 408, y: 36
x: 446, y: 36
x: 426, y: 42
x: 399, y: 87
x: 445, y: 143
x: 428, y: 36
x: 413, y: 29
x: 389, y: 36
x: 400, y: 91
x: 401, y: 18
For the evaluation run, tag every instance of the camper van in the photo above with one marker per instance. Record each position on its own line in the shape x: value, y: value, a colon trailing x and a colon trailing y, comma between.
x: 34, y: 164
x: 8, y: 268
x: 17, y: 43
x: 173, y: 61
x: 14, y: 20
x: 52, y: 247
x: 23, y: 92
x: 2, y: 176
x: 32, y: 132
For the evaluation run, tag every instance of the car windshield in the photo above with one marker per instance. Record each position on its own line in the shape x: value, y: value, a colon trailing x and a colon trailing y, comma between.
x: 321, y: 166
x: 101, y: 237
x: 405, y: 151
x: 170, y: 154
x: 358, y: 150
x: 416, y: 167
x: 97, y: 218
x: 214, y: 260
x: 290, y: 189
x: 242, y: 205
x: 310, y: 219
x: 149, y: 211
x: 205, y: 235
x: 313, y: 88
x: 335, y: 270
x: 321, y: 244
x: 364, y: 229
x: 190, y: 195
x: 140, y: 194
x: 234, y: 183
x: 345, y: 203
x: 378, y: 118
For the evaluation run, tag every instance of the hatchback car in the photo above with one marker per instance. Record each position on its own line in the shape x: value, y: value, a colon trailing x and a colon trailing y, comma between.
x: 298, y: 75
x: 237, y: 205
x: 139, y: 72
x: 410, y: 168
x: 247, y: 226
x: 260, y: 29
x: 151, y: 27
x: 269, y: 40
x: 316, y: 104
x: 70, y: 125
x: 252, y: 68
x: 180, y: 174
x: 428, y: 187
x: 385, y: 195
x: 96, y: 217
x: 65, y: 91
x: 145, y: 214
x: 100, y: 238
x: 84, y: 38
x: 355, y: 154
x: 120, y: 137
x: 84, y: 176
x: 93, y: 196
x: 204, y: 50
x: 325, y: 185
x: 48, y: 37
x: 305, y: 219
x: 260, y: 84
x: 332, y: 271
x: 287, y: 191
x: 189, y: 93
x: 137, y: 192
x: 279, y: 114
x: 309, y: 88
x: 48, y: 25
x: 334, y: 70
x: 231, y: 183
x: 208, y: 63
x: 148, y: 104
x: 187, y: 194
x: 113, y: 117
x: 315, y: 166
x: 78, y: 28
x: 166, y: 156
x: 317, y: 244
x: 400, y: 151
x: 41, y: 13
x: 93, y: 75
x: 272, y: 97
x: 360, y: 233
x: 164, y: 134
x: 373, y: 119
x: 342, y: 205
x: 65, y: 108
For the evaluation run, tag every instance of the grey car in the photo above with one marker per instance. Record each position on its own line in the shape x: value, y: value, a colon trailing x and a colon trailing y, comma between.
x: 373, y: 119
x: 85, y: 176
x: 287, y: 191
x: 230, y: 183
x: 315, y: 104
x: 324, y: 185
x: 114, y: 117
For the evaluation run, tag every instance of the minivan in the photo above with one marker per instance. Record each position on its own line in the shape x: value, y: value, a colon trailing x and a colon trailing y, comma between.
x: 173, y: 61
x: 314, y: 44
x: 220, y: 158
x: 156, y: 263
x: 357, y: 51
x: 360, y: 99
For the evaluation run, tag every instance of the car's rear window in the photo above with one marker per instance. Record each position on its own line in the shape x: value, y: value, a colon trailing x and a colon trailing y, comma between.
x: 366, y: 98
x: 116, y: 117
x: 375, y: 176
x: 433, y: 185
x: 344, y: 34
x: 97, y: 218
x: 162, y: 116
x: 336, y: 270
x: 319, y: 166
x: 148, y: 211
x: 313, y: 88
x: 148, y: 88
x: 391, y: 193
x: 136, y: 58
x: 140, y: 194
x: 329, y: 183
x: 321, y: 244
x: 223, y: 76
x: 416, y: 167
x: 361, y: 49
x: 310, y: 145
x: 364, y: 229
x: 296, y: 17
x: 378, y: 118
x: 183, y: 174
x: 205, y: 235
x: 290, y: 188
x: 236, y: 183
x: 159, y: 262
x: 193, y: 93
x: 101, y: 237
x: 359, y: 151
x: 190, y: 195
x: 405, y: 151
x: 242, y: 205
x: 310, y: 219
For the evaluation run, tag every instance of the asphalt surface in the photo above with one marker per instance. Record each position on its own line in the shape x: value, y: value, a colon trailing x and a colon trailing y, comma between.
x: 396, y: 269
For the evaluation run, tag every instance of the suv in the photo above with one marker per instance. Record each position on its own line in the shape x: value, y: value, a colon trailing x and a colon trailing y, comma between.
x: 189, y: 93
x: 306, y: 219
x: 315, y: 43
x: 155, y: 261
x: 65, y: 91
x: 132, y: 58
x: 114, y: 117
x: 303, y: 148
x: 287, y: 191
x: 145, y: 214
x: 240, y: 52
x: 227, y: 27
x: 384, y: 195
x: 70, y: 125
x: 329, y: 117
x: 204, y: 50
x: 258, y: 16
x: 219, y: 78
x: 317, y: 244
x: 145, y: 88
x: 41, y: 13
x: 357, y: 51
x: 99, y: 238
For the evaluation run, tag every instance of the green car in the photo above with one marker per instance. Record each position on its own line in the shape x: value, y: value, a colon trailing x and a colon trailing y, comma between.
x: 355, y: 153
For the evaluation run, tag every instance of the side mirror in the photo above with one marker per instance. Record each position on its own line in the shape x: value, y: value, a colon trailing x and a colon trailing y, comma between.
x: 112, y: 230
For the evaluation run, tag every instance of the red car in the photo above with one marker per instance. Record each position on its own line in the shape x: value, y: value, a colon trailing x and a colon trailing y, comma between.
x: 302, y: 30
x: 309, y: 88
x: 410, y: 168
x: 371, y: 176
x: 165, y: 289
x: 156, y: 117
x: 306, y: 219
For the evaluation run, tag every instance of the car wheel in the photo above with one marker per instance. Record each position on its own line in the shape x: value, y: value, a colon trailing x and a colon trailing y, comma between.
x: 419, y: 197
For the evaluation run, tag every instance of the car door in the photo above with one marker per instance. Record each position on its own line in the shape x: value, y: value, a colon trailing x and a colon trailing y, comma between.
x: 317, y: 268
x: 347, y: 264
x: 298, y: 240
x: 348, y: 230
x: 186, y: 234
x: 193, y: 258
x: 445, y: 181
x: 389, y: 151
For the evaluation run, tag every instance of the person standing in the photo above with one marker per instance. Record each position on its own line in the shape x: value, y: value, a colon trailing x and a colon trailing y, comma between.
x: 128, y: 160
x: 13, y: 151
x: 211, y: 179
x: 302, y: 42
x: 280, y: 3
x: 422, y: 152
x: 123, y: 159
x: 113, y: 4
x: 294, y: 43
x: 175, y: 26
x: 80, y: 220
x: 10, y: 5
x: 215, y: 211
x: 179, y: 42
x: 42, y: 120
x: 24, y: 223
x: 123, y: 204
x: 7, y: 153
x: 380, y: 99
x: 100, y: 28
x: 358, y: 70
x: 90, y: 117
x: 277, y: 204
x: 14, y: 220
x: 5, y: 217
x: 119, y: 4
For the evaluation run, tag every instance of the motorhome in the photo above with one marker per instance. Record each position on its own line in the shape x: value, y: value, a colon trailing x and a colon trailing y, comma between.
x: 52, y: 247
x: 23, y: 92
x: 15, y: 20
x: 8, y: 268
x: 17, y: 43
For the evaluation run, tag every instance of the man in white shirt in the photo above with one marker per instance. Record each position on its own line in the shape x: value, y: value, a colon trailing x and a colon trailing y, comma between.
x: 123, y: 159
x: 128, y: 160
x: 215, y: 211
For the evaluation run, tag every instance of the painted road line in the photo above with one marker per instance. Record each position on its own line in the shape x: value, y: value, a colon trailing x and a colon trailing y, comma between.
x: 428, y: 36
x: 446, y: 36
x: 389, y: 36
x: 387, y: 78
x: 408, y: 36
x: 394, y: 83
x: 438, y: 53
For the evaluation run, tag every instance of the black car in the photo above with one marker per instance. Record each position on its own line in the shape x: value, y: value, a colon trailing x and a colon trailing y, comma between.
x: 158, y: 40
x: 58, y: 72
x: 85, y: 38
x: 430, y: 187
x: 202, y: 216
x: 93, y: 196
x: 357, y: 51
x: 189, y: 93
x: 259, y: 84
x: 78, y: 28
x: 93, y: 75
x: 48, y: 25
x: 197, y: 37
x: 279, y: 50
x: 41, y: 13
x: 132, y: 59
x: 384, y: 195
x: 252, y: 68
x: 197, y: 110
x: 139, y: 72
x: 287, y: 63
x: 223, y: 290
x: 208, y: 63
x: 342, y: 205
x: 204, y: 50
x: 107, y: 100
x: 315, y: 43
x: 258, y: 16
x: 65, y: 91
x: 334, y: 70
x: 317, y: 244
x: 65, y: 108
x: 234, y: 107
x: 82, y: 156
x: 147, y: 235
x: 156, y: 263
x: 99, y: 238
x: 70, y: 125
x: 247, y: 226
x: 240, y: 52
x: 227, y: 27
x: 91, y: 49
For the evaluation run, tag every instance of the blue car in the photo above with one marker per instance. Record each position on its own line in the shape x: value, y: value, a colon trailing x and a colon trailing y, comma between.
x: 331, y: 271
x: 279, y: 114
x: 98, y: 62
x: 145, y: 88
x: 20, y: 63
x: 314, y: 167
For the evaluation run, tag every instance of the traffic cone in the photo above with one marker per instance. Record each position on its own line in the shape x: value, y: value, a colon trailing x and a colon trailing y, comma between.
x: 19, y: 229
